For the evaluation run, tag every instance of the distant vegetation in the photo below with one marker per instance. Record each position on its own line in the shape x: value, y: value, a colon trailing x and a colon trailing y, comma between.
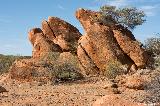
x: 152, y: 45
x: 7, y: 60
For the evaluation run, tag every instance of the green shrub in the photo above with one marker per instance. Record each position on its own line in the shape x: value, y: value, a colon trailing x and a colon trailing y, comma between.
x: 113, y: 69
x: 61, y: 70
x: 66, y: 72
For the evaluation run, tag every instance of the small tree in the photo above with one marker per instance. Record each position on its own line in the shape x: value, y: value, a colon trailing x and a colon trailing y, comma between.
x: 129, y: 17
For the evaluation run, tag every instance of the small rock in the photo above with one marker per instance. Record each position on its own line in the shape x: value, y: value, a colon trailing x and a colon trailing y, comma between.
x: 135, y: 82
x: 2, y: 89
x: 114, y: 85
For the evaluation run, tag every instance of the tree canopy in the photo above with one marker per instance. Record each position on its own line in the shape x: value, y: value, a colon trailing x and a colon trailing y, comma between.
x: 129, y: 17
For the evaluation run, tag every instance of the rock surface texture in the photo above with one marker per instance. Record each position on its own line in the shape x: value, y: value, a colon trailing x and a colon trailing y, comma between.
x: 61, y: 33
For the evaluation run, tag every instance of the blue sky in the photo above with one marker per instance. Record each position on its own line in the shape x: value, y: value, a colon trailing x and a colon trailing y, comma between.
x: 17, y: 17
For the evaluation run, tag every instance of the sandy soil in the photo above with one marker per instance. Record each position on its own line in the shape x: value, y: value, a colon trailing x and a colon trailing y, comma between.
x: 79, y: 93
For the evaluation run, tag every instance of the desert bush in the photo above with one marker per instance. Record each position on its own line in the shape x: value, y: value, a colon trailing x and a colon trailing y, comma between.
x: 129, y: 17
x: 113, y: 69
x: 152, y: 45
x: 50, y: 56
x: 157, y: 61
x: 61, y: 70
x: 66, y: 72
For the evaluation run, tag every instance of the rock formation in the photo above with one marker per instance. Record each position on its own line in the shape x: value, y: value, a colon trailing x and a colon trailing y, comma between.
x: 101, y: 44
x: 56, y: 36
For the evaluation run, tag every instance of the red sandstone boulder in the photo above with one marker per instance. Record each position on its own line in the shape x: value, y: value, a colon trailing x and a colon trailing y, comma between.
x: 61, y: 33
x: 41, y: 44
x: 99, y: 42
x: 131, y: 47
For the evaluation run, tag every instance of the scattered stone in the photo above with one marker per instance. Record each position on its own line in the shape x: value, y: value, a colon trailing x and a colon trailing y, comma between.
x: 2, y: 89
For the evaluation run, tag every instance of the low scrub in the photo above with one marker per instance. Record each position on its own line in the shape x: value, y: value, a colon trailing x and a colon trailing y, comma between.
x: 113, y: 69
x: 62, y: 70
x: 152, y: 45
x: 66, y: 72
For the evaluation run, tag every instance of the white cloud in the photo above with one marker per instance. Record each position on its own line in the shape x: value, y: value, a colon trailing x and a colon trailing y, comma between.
x: 2, y: 20
x: 150, y: 10
x: 61, y: 7
x: 118, y: 3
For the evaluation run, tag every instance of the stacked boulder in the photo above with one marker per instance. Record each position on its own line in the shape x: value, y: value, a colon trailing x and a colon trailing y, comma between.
x: 55, y: 36
x: 100, y: 44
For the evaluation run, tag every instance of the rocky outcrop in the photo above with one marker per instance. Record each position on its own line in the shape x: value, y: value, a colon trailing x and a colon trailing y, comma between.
x: 56, y: 37
x: 103, y: 44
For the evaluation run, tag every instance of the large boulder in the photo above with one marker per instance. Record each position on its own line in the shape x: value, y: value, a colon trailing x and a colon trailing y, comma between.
x: 130, y: 46
x: 99, y: 42
x: 61, y: 33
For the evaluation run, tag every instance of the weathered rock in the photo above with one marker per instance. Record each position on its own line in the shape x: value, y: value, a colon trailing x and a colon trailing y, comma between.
x: 41, y: 44
x: 99, y: 42
x: 135, y: 82
x: 88, y: 66
x: 131, y: 47
x: 29, y: 70
x: 61, y: 33
x: 115, y: 100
